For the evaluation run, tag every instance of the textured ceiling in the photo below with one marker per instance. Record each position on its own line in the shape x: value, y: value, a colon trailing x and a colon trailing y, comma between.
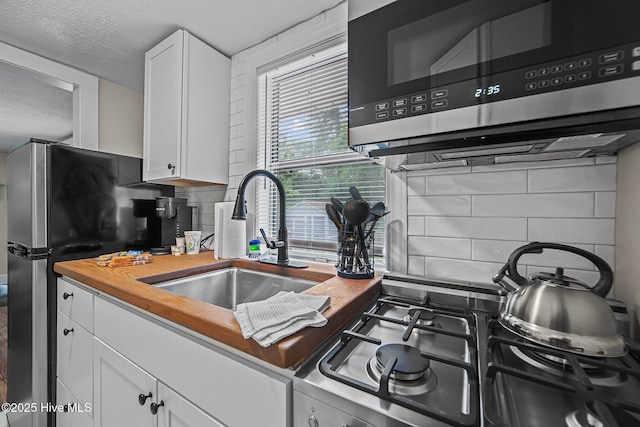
x: 109, y: 38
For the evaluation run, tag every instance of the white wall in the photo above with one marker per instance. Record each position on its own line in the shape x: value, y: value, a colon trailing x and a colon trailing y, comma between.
x: 120, y: 119
x: 628, y: 233
x: 463, y: 223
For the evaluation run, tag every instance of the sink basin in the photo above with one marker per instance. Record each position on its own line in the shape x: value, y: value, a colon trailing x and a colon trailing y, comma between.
x: 229, y: 287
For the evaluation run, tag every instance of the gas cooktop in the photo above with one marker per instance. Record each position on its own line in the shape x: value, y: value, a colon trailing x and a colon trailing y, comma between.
x: 432, y: 353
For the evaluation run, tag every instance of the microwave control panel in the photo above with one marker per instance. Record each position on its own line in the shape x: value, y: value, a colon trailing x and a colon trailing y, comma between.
x: 583, y: 70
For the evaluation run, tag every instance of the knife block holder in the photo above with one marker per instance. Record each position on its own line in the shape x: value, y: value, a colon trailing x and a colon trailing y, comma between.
x: 352, y: 262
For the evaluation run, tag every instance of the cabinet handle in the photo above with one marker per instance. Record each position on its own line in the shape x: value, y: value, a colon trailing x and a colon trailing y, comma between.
x: 66, y: 295
x: 67, y: 331
x: 170, y: 166
x: 154, y: 407
x: 143, y: 398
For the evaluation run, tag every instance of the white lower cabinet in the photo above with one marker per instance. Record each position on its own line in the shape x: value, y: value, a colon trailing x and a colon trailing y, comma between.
x: 179, y: 412
x: 78, y: 415
x: 127, y: 395
x: 118, y: 366
x: 118, y: 383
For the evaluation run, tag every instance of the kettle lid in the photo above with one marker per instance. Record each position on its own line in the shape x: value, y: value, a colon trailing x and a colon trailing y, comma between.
x: 559, y: 279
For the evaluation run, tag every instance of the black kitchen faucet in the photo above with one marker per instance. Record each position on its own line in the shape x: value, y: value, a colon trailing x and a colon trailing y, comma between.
x: 282, y: 244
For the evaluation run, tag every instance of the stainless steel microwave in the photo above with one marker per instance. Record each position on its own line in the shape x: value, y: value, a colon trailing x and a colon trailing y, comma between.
x: 491, y: 76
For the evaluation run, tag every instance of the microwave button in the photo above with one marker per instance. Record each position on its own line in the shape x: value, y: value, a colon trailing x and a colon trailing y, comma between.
x: 531, y: 86
x: 556, y: 81
x: 439, y: 104
x: 583, y: 63
x: 585, y: 75
x: 400, y: 102
x: 556, y: 69
x: 543, y: 72
x: 611, y: 70
x: 570, y: 78
x: 418, y: 98
x: 635, y: 66
x: 382, y: 115
x: 531, y: 74
x: 399, y: 112
x: 442, y: 93
x: 610, y: 57
x: 635, y: 52
x: 422, y: 107
x: 543, y: 83
x: 569, y: 66
x: 382, y: 106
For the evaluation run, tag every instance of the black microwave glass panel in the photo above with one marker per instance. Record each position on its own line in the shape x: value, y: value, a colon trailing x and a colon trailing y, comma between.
x: 464, y: 36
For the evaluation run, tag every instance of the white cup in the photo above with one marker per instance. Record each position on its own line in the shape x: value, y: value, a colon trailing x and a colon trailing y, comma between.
x: 180, y: 241
x: 192, y: 239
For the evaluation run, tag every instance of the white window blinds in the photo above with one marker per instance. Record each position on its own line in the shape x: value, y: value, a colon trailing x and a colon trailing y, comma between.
x: 302, y: 138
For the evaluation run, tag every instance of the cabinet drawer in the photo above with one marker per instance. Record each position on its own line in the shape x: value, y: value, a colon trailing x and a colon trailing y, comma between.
x: 75, y: 358
x: 76, y: 303
x: 76, y: 416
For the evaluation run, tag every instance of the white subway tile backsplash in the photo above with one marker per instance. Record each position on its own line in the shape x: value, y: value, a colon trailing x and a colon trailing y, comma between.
x: 603, y: 160
x: 534, y: 165
x: 478, y: 183
x: 583, y: 178
x: 416, y: 186
x: 605, y: 204
x: 440, y: 247
x: 444, y: 171
x: 534, y: 205
x: 478, y: 228
x: 572, y: 230
x: 440, y: 205
x: 494, y: 250
x: 607, y: 253
x: 416, y: 226
x: 416, y: 266
x: 472, y: 271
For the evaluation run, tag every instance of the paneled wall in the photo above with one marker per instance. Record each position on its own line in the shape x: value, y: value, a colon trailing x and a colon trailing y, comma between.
x: 463, y: 223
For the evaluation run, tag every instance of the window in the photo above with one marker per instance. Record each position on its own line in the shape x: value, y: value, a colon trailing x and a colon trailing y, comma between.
x: 302, y: 138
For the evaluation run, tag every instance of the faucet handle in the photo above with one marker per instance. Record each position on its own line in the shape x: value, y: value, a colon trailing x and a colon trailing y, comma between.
x: 271, y: 244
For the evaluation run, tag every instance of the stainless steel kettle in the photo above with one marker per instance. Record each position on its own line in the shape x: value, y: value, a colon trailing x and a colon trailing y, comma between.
x: 560, y: 311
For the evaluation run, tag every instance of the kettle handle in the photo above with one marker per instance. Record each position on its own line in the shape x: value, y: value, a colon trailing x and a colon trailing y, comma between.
x: 602, y: 287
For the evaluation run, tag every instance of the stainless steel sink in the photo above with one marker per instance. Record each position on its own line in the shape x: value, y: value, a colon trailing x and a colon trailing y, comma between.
x: 231, y: 286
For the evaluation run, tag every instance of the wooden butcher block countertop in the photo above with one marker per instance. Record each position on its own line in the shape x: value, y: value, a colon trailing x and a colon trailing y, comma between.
x: 131, y: 284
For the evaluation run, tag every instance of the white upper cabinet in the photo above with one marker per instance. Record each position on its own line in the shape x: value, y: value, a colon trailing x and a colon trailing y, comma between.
x: 186, y: 113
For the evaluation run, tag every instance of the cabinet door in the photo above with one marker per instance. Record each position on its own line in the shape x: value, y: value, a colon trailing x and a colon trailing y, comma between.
x: 179, y: 412
x: 163, y: 108
x: 79, y: 416
x: 118, y: 384
x: 74, y: 358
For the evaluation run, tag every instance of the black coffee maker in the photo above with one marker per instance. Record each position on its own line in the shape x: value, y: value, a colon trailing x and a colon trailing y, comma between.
x: 167, y: 218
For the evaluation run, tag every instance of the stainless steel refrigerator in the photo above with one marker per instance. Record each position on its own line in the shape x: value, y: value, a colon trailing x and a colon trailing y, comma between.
x: 63, y: 203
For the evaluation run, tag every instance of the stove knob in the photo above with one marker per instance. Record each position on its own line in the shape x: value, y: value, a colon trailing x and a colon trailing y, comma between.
x: 313, y: 421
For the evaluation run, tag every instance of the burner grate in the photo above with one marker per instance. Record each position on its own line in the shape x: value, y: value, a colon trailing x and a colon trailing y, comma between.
x: 329, y: 362
x: 626, y: 365
x: 579, y: 384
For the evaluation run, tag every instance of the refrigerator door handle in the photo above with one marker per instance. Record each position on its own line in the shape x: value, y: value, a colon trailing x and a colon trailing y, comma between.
x: 21, y: 251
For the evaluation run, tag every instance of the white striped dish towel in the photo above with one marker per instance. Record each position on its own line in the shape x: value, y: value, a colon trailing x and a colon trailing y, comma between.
x: 283, y: 314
